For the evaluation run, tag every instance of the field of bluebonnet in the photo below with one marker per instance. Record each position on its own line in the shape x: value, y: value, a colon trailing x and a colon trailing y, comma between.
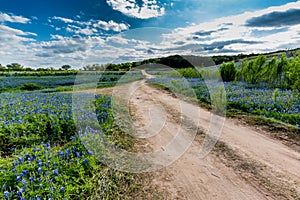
x: 42, y: 156
x: 265, y: 87
x: 280, y: 104
x: 48, y: 82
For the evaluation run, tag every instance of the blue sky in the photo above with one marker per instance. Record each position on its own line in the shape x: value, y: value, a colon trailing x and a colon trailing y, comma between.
x: 51, y: 33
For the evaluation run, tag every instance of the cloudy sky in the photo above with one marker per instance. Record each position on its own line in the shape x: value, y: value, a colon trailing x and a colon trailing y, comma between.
x: 51, y: 33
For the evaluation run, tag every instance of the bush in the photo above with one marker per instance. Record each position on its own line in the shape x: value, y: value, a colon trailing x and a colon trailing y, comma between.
x: 30, y: 87
x: 228, y: 71
x: 4, y: 90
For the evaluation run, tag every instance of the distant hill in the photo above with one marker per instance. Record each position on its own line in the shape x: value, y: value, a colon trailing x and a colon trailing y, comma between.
x: 177, y: 61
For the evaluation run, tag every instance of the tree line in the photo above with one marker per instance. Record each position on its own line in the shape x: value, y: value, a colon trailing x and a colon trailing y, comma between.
x: 280, y: 72
x: 16, y: 67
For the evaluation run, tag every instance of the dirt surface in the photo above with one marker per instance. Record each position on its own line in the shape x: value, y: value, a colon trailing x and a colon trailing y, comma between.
x: 158, y: 115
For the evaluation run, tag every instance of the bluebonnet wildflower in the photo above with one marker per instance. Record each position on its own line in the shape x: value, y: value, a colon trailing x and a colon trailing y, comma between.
x: 6, y: 194
x: 55, y: 172
x: 19, y: 178
x: 85, y: 161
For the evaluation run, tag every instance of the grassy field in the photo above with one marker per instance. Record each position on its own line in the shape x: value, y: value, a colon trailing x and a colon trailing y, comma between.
x: 42, y: 156
x: 41, y: 147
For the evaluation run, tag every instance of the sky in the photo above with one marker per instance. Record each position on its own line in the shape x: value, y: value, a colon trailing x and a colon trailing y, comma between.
x: 52, y: 33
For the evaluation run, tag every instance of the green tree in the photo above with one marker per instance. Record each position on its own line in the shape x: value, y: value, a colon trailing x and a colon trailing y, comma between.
x: 66, y: 67
x: 281, y: 67
x: 253, y: 70
x: 269, y: 73
x: 228, y: 71
x: 2, y: 68
x: 15, y: 67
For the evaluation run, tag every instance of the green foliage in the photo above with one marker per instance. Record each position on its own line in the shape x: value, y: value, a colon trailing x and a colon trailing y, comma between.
x: 189, y: 72
x: 4, y: 90
x: 251, y: 71
x: 218, y: 99
x: 66, y: 67
x: 14, y: 67
x: 183, y: 72
x: 31, y: 87
x: 228, y: 71
x: 43, y: 158
x: 275, y: 94
x: 280, y: 72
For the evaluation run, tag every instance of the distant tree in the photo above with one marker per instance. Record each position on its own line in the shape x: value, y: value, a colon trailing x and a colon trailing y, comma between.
x: 113, y: 67
x: 66, y: 67
x: 98, y: 67
x: 2, y: 68
x: 28, y: 69
x: 125, y: 66
x: 15, y: 67
x: 136, y: 64
x: 87, y: 68
x: 94, y: 67
x: 41, y: 69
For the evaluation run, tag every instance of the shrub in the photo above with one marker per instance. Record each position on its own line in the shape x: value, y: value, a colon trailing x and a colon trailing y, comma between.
x: 30, y: 87
x: 228, y: 71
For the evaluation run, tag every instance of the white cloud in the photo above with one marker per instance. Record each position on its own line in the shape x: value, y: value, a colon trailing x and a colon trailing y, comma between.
x: 14, y: 45
x: 148, y: 9
x: 228, y: 35
x: 78, y: 30
x: 117, y: 39
x: 89, y: 27
x: 111, y: 25
x: 13, y: 18
x: 199, y: 39
x: 12, y: 31
x: 65, y: 20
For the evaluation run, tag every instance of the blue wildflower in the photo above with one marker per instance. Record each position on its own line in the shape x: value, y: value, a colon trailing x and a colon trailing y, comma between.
x: 19, y: 178
x: 55, y: 172
x: 24, y: 172
x: 21, y: 159
x: 19, y: 193
x: 6, y: 194
x: 40, y: 164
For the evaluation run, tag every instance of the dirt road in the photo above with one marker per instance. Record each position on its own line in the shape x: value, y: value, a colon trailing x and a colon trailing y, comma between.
x: 258, y: 167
